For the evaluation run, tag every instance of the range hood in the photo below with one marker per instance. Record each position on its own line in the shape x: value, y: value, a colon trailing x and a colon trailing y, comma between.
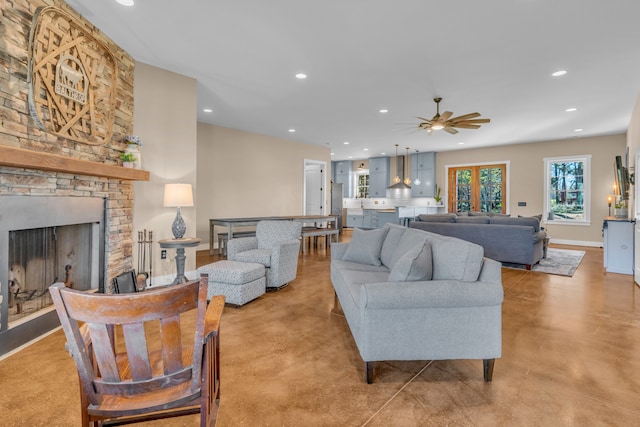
x: 400, y: 173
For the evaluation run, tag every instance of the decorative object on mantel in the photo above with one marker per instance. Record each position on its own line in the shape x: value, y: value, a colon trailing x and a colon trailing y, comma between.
x: 128, y: 159
x: 72, y: 79
x: 133, y: 146
x: 177, y: 196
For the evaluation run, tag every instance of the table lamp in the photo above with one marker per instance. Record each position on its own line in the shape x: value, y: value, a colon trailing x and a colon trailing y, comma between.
x: 178, y: 195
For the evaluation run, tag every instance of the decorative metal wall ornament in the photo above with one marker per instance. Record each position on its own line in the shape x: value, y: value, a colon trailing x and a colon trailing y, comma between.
x: 72, y: 79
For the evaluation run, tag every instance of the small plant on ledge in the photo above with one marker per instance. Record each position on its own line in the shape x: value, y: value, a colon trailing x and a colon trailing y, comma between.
x: 128, y: 157
x: 437, y: 197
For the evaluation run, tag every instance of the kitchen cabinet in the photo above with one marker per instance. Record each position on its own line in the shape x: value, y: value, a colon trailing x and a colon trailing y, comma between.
x: 355, y: 221
x: 378, y: 176
x: 343, y: 175
x: 423, y: 167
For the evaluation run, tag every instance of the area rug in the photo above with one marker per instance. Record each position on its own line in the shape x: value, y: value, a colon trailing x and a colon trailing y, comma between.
x: 562, y: 262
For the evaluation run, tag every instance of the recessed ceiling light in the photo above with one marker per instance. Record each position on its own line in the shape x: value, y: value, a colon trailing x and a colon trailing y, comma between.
x: 578, y: 130
x: 125, y: 2
x: 346, y: 143
x: 351, y: 157
x: 366, y: 149
x: 384, y: 110
x: 208, y: 110
x: 301, y: 76
x: 292, y: 130
x: 569, y: 110
x: 460, y: 143
x: 383, y: 154
x: 333, y: 154
x: 559, y: 73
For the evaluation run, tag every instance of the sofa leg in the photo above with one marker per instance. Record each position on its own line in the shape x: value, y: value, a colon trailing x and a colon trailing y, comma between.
x: 528, y: 266
x: 337, y: 308
x: 487, y: 364
x: 369, y: 370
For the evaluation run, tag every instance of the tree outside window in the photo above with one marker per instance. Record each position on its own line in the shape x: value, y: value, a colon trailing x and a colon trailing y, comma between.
x: 567, y: 189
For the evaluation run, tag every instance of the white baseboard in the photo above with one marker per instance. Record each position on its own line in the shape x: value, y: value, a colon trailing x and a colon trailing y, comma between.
x: 577, y: 243
x: 166, y: 280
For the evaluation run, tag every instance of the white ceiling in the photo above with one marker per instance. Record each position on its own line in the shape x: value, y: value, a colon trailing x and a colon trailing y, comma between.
x: 495, y: 57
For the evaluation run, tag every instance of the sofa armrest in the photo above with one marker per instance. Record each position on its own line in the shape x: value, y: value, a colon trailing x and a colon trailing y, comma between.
x: 338, y: 250
x: 540, y: 235
x: 235, y: 246
x: 491, y: 271
x: 430, y: 294
x: 285, y: 248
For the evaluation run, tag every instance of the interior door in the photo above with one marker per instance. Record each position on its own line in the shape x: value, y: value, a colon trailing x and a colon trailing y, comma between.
x: 314, y: 191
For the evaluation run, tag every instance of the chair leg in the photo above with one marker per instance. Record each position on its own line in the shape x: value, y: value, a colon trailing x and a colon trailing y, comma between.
x: 369, y: 367
x: 487, y: 365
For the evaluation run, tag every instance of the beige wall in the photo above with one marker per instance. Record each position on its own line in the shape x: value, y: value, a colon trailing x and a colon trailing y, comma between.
x: 243, y: 174
x: 165, y: 118
x: 527, y: 177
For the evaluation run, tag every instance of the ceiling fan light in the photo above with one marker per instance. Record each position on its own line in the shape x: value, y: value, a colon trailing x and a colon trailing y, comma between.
x: 437, y: 126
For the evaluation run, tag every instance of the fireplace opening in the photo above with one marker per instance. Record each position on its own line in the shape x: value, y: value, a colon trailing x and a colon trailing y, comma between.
x: 43, y: 240
x: 42, y: 256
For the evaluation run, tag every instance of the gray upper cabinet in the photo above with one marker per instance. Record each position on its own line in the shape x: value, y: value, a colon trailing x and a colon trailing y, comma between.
x: 342, y: 174
x: 378, y: 176
x: 423, y: 167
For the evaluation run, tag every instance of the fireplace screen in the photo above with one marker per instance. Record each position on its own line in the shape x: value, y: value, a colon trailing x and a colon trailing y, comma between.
x: 42, y: 256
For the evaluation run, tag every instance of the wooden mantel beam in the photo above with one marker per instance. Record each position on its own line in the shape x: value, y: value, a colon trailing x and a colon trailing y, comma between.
x: 21, y: 158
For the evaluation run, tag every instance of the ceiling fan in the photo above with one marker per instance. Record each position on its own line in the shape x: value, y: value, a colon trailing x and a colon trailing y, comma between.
x: 448, y: 124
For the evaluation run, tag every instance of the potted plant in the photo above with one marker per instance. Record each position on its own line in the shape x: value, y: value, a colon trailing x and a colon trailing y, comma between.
x: 620, y: 209
x: 128, y: 159
x: 437, y: 197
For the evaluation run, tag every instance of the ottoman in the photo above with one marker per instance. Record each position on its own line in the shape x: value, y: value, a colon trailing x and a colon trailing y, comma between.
x: 239, y: 282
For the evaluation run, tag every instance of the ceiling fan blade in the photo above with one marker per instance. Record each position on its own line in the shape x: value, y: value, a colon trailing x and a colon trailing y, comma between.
x: 423, y: 119
x: 445, y: 116
x: 451, y: 130
x: 474, y: 121
x: 467, y: 126
x: 466, y: 116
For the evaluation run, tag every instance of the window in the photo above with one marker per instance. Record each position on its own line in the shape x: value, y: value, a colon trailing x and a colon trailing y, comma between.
x: 567, y: 189
x: 480, y: 188
x: 362, y: 185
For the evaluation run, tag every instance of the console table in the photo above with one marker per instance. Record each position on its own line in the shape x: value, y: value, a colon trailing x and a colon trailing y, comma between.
x: 179, y: 245
x: 230, y: 223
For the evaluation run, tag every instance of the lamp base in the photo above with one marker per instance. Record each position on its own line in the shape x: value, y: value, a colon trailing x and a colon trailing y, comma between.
x: 178, y: 228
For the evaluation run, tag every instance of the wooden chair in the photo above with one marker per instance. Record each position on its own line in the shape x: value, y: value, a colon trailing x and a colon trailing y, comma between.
x: 156, y: 371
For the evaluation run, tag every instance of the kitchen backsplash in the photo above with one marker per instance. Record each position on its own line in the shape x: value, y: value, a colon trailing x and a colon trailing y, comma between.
x: 384, y: 203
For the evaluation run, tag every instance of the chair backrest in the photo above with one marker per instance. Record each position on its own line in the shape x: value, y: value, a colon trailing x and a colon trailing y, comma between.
x: 151, y: 355
x: 270, y: 233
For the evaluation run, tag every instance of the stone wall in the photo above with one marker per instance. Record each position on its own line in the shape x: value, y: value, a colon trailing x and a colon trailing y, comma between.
x: 19, y: 130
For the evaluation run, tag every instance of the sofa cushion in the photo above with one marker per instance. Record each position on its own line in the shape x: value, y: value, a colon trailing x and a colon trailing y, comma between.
x: 437, y: 218
x: 455, y: 259
x: 473, y: 219
x: 413, y: 266
x: 365, y: 246
x: 356, y: 266
x: 530, y: 221
x: 390, y: 245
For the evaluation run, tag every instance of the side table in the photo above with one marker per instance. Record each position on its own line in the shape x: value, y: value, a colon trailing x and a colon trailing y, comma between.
x: 179, y: 245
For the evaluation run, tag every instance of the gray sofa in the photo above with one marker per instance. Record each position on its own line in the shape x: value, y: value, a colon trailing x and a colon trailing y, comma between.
x: 412, y: 295
x: 518, y: 240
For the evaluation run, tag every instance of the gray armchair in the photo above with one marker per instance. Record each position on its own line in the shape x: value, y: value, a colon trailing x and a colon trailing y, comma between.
x: 276, y: 245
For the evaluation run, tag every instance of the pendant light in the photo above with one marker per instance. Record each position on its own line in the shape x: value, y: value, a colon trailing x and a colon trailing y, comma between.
x: 407, y: 179
x: 417, y: 180
x: 396, y: 179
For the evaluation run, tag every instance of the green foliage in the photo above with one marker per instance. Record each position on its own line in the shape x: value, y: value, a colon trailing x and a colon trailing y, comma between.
x: 128, y: 157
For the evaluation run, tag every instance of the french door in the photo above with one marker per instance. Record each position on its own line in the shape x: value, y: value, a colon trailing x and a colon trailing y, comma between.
x: 479, y: 188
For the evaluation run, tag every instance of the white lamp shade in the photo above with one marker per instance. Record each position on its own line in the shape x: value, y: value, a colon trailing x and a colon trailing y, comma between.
x: 178, y: 195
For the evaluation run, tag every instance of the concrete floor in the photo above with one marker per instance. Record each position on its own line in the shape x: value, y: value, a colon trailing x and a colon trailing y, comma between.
x: 571, y: 357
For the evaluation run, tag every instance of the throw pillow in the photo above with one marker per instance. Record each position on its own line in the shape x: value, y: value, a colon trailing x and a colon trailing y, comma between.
x: 365, y: 246
x: 413, y: 266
